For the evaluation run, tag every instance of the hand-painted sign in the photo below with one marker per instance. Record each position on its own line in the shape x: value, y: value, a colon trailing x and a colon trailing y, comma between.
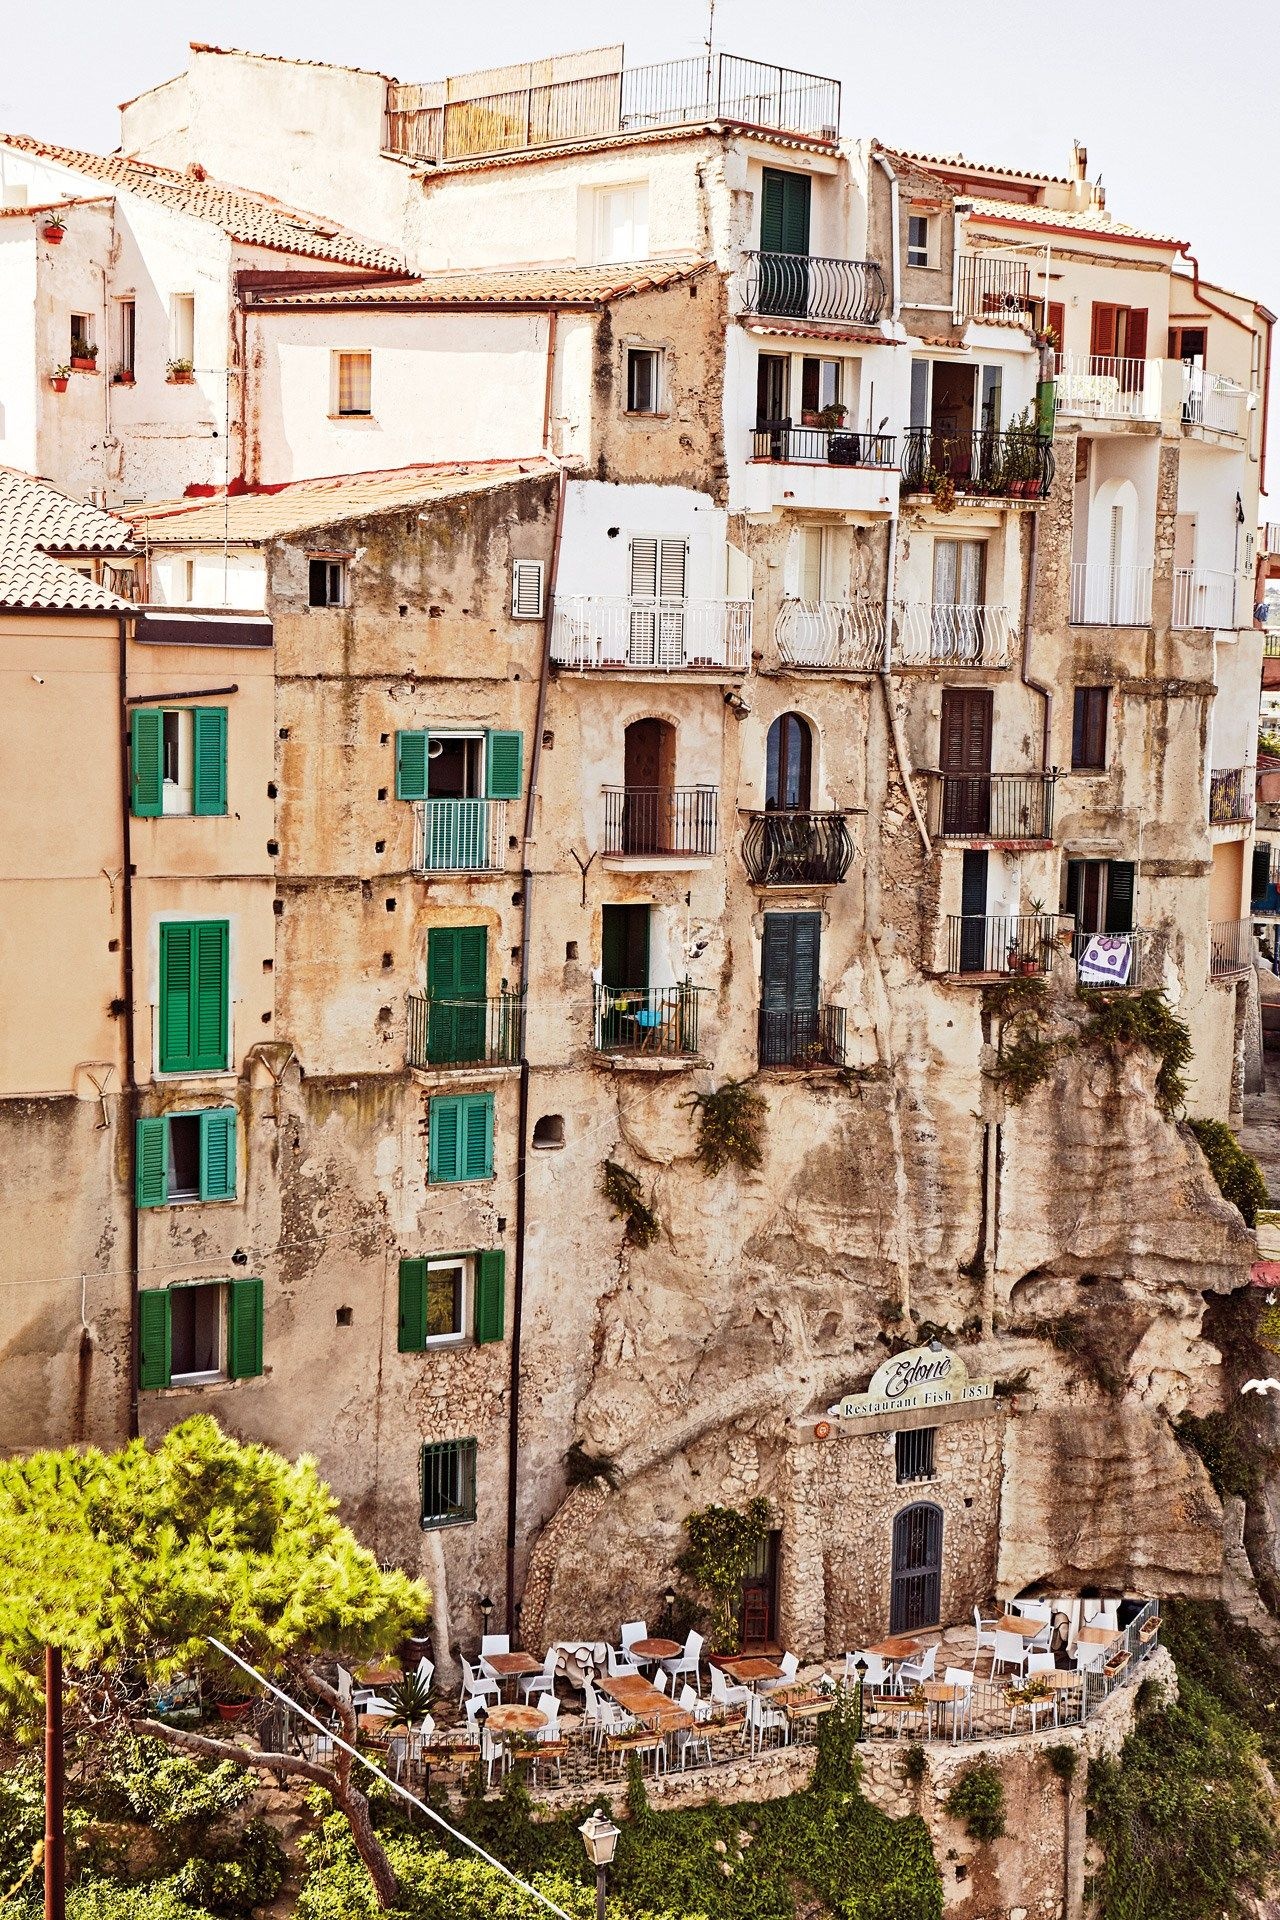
x: 1107, y: 961
x: 929, y: 1376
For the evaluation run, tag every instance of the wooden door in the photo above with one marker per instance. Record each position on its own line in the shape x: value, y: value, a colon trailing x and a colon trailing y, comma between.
x: 790, y: 968
x: 972, y: 957
x: 758, y: 1608
x: 916, y: 1582
x: 648, y: 781
x: 965, y: 759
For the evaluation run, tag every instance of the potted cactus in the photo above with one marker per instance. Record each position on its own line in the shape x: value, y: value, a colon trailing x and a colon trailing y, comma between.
x: 53, y: 229
x: 59, y: 377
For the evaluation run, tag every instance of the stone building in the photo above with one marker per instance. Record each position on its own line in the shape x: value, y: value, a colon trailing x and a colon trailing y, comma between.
x: 731, y: 600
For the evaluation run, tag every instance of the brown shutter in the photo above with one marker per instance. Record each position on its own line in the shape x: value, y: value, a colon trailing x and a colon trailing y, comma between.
x: 1135, y: 334
x: 1102, y: 334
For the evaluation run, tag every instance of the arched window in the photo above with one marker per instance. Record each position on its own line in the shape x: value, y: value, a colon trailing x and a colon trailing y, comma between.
x: 788, y: 765
x: 649, y: 771
x: 549, y: 1130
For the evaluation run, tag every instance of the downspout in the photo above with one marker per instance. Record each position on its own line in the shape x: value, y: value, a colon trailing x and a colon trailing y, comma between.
x: 886, y: 687
x: 129, y: 1101
x: 895, y: 238
x: 546, y: 396
x: 526, y: 941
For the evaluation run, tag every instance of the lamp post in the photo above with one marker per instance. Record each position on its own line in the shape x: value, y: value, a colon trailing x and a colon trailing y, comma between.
x: 486, y: 1608
x: 600, y: 1838
x: 860, y: 1668
x: 670, y: 1599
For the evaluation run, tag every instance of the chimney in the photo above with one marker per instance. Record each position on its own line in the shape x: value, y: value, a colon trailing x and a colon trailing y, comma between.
x: 1079, y: 175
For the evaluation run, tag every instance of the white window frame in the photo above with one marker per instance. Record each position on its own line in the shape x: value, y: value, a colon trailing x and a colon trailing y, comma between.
x: 336, y: 358
x: 658, y: 389
x: 931, y: 234
x: 126, y: 332
x: 182, y: 327
x: 330, y: 561
x: 205, y: 1377
x: 176, y: 796
x: 463, y: 1263
x: 522, y: 572
x: 606, y: 225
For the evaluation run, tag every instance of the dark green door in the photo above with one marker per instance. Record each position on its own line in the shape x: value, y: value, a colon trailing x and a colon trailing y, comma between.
x: 790, y: 963
x: 784, y: 242
x: 624, y: 972
x: 457, y: 965
x: 973, y: 911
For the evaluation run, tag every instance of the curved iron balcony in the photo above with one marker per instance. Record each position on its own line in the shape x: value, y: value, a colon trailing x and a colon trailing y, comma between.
x: 1015, y: 465
x: 807, y: 286
x: 784, y: 849
x: 947, y: 635
x: 830, y: 633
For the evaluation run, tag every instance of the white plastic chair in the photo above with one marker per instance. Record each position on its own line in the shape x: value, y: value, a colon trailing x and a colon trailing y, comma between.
x: 426, y: 1670
x: 876, y: 1676
x: 495, y: 1643
x: 477, y: 1685
x: 632, y: 1630
x: 687, y: 1662
x: 612, y: 1720
x: 690, y: 1702
x: 1040, y: 1611
x: 763, y: 1720
x: 544, y: 1682
x: 961, y: 1710
x: 360, y: 1699
x: 690, y: 1739
x: 1040, y: 1660
x: 660, y: 1679
x: 914, y: 1673
x: 725, y: 1696
x: 1010, y: 1651
x: 985, y: 1633
x: 620, y: 1663
x: 790, y: 1664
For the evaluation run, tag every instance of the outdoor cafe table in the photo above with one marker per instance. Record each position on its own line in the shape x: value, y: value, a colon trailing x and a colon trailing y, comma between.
x: 900, y: 1647
x: 509, y: 1666
x: 1018, y: 1623
x: 752, y: 1670
x: 943, y: 1693
x: 645, y: 1702
x: 1096, y: 1636
x: 380, y: 1673
x: 516, y: 1719
x: 655, y: 1649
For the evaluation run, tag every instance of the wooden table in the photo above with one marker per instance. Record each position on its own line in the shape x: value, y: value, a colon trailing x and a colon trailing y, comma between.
x: 752, y: 1669
x: 516, y: 1719
x: 901, y: 1647
x: 644, y: 1701
x: 1095, y: 1636
x: 945, y: 1693
x: 385, y: 1673
x: 655, y: 1649
x: 509, y: 1666
x: 1018, y: 1623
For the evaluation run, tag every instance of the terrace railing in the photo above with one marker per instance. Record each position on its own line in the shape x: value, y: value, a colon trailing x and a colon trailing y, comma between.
x: 829, y: 633
x: 779, y: 441
x: 1211, y: 401
x: 991, y: 806
x: 613, y: 634
x: 1231, y: 948
x: 459, y: 836
x: 1231, y: 795
x: 994, y: 287
x: 1206, y: 597
x: 661, y: 820
x: 809, y: 1038
x: 1016, y: 464
x: 930, y: 635
x: 981, y: 943
x: 647, y: 1020
x: 1102, y: 386
x: 465, y: 1032
x: 810, y: 286
x: 1111, y: 959
x: 787, y: 849
x: 1106, y: 596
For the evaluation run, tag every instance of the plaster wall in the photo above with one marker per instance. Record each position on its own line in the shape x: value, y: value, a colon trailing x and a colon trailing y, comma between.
x: 20, y: 372
x: 1209, y: 478
x: 220, y: 577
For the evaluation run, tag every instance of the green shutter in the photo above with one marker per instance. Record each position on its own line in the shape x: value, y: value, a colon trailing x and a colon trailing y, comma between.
x: 457, y: 962
x: 218, y: 1154
x: 771, y: 191
x: 444, y: 1120
x: 490, y: 1295
x: 151, y: 1170
x: 412, y: 1336
x: 477, y: 1137
x: 210, y: 985
x: 505, y: 764
x: 177, y: 943
x: 146, y: 755
x: 209, y: 753
x: 411, y: 766
x: 784, y: 212
x: 1119, y: 916
x: 155, y: 1339
x: 194, y: 1015
x: 244, y: 1329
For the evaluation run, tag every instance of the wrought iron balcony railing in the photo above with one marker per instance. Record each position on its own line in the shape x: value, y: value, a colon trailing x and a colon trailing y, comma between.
x: 786, y: 849
x: 612, y: 634
x: 661, y: 820
x: 1231, y: 948
x: 465, y: 1032
x: 779, y: 441
x: 995, y: 287
x: 1109, y: 959
x: 810, y: 286
x: 1106, y: 596
x: 952, y: 636
x: 991, y: 806
x: 828, y: 633
x: 1001, y: 943
x: 808, y: 1038
x: 459, y: 836
x: 1231, y: 795
x: 1015, y: 465
x: 649, y: 1020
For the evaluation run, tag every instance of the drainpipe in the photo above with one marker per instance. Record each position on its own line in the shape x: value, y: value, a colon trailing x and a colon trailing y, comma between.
x: 522, y: 1149
x: 895, y: 239
x: 886, y: 686
x: 129, y: 1101
x: 553, y: 318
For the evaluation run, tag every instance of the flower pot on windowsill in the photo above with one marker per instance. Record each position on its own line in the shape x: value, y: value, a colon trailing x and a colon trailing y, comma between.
x: 175, y: 378
x: 809, y: 419
x: 82, y: 363
x: 123, y: 378
x: 53, y: 232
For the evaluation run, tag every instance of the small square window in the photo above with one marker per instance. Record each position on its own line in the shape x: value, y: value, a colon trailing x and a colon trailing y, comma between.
x: 196, y: 1321
x: 913, y: 1454
x: 353, y: 385
x: 448, y: 1483
x: 327, y: 583
x: 644, y: 379
x: 919, y: 240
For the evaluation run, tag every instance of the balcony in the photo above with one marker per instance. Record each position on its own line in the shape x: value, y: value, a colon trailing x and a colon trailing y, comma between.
x: 1110, y: 960
x: 991, y: 806
x: 615, y: 634
x: 797, y: 849
x: 1231, y: 791
x: 1205, y: 597
x: 828, y: 469
x: 1213, y: 403
x: 1104, y: 596
x: 1231, y: 948
x: 778, y: 440
x: 1094, y: 386
x: 804, y: 1040
x: 473, y: 1033
x: 994, y: 288
x: 1016, y: 465
x: 828, y: 633
x: 991, y: 945
x: 951, y: 636
x: 459, y: 836
x: 663, y: 823
x: 430, y: 123
x: 806, y: 286
x: 661, y: 1022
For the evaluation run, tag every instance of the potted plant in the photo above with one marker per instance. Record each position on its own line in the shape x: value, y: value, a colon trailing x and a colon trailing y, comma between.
x: 810, y: 417
x: 943, y: 489
x: 231, y: 1704
x: 179, y: 373
x: 832, y: 417
x: 410, y: 1699
x: 59, y: 377
x: 123, y: 377
x: 84, y: 356
x: 53, y: 229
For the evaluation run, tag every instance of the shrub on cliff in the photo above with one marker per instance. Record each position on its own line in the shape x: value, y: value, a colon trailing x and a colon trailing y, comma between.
x: 1240, y: 1179
x: 977, y: 1798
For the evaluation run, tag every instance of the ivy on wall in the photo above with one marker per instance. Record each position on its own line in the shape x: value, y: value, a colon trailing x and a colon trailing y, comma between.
x: 723, y: 1542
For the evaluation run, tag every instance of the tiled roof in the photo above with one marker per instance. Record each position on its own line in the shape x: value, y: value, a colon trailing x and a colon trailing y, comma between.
x: 270, y: 513
x: 956, y: 163
x: 37, y: 523
x: 253, y: 218
x: 652, y: 136
x: 494, y: 286
x: 1081, y: 220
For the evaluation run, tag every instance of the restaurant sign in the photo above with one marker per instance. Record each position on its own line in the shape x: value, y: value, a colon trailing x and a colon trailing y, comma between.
x: 929, y: 1376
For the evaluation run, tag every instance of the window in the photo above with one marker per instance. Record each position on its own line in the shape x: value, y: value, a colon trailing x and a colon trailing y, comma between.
x: 179, y: 760
x: 622, y: 223
x: 1089, y: 729
x: 352, y: 376
x: 991, y: 383
x: 459, y: 766
x: 548, y: 1131
x: 448, y: 1483
x: 186, y: 1156
x: 126, y: 336
x: 188, y: 580
x: 526, y: 590
x: 814, y: 554
x: 773, y: 381
x: 788, y: 763
x: 913, y: 1454
x: 326, y: 583
x: 82, y: 337
x: 1188, y: 343
x: 819, y: 384
x: 920, y: 370
x: 188, y: 1335
x: 182, y: 328
x: 644, y: 379
x: 1100, y: 895
x: 921, y: 240
x: 434, y: 1295
x: 194, y: 1012
x: 785, y: 200
x: 460, y: 1138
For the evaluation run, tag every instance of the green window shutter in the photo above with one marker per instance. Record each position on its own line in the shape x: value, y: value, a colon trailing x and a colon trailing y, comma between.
x: 412, y: 1336
x: 151, y: 1171
x: 490, y: 1295
x: 772, y: 187
x: 444, y: 1122
x: 146, y: 756
x: 194, y: 1012
x: 218, y: 1154
x: 155, y: 1339
x: 477, y: 1137
x: 209, y: 752
x: 411, y: 766
x: 457, y: 962
x: 505, y: 764
x: 210, y: 985
x: 244, y: 1329
x: 177, y: 945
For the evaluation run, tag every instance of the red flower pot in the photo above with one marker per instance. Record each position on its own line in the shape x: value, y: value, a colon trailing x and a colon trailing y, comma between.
x: 124, y: 379
x: 53, y: 235
x: 181, y: 379
x: 59, y: 386
x: 83, y: 364
x: 233, y: 1709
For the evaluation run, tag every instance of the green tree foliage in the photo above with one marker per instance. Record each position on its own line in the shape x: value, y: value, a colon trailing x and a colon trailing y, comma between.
x: 723, y: 1542
x: 1118, y: 1021
x: 977, y: 1798
x: 1240, y: 1179
x: 730, y: 1126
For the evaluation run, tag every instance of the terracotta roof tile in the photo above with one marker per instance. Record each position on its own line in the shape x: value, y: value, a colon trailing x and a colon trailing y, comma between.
x: 1094, y: 220
x: 497, y: 286
x: 253, y: 218
x: 956, y: 163
x: 37, y: 523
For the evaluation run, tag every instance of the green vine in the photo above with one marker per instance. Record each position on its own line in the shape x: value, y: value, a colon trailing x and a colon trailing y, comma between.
x: 977, y: 1798
x: 1119, y: 1021
x: 723, y: 1542
x: 730, y: 1126
x: 1026, y: 1053
x: 1240, y: 1179
x: 581, y: 1467
x: 1062, y: 1761
x: 626, y: 1196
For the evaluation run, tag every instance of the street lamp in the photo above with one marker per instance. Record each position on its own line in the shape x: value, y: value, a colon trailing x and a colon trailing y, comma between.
x: 486, y: 1608
x: 670, y: 1598
x: 600, y: 1838
x: 860, y: 1665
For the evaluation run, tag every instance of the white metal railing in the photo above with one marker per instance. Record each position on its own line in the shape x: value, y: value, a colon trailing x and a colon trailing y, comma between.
x: 459, y: 836
x: 828, y: 633
x: 615, y: 632
x: 1271, y: 537
x: 961, y: 636
x: 1109, y: 596
x: 1104, y: 387
x: 1211, y: 400
x: 995, y: 287
x: 1204, y: 597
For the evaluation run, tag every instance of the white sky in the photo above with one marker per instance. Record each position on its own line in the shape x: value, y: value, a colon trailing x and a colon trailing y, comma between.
x: 1173, y: 102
